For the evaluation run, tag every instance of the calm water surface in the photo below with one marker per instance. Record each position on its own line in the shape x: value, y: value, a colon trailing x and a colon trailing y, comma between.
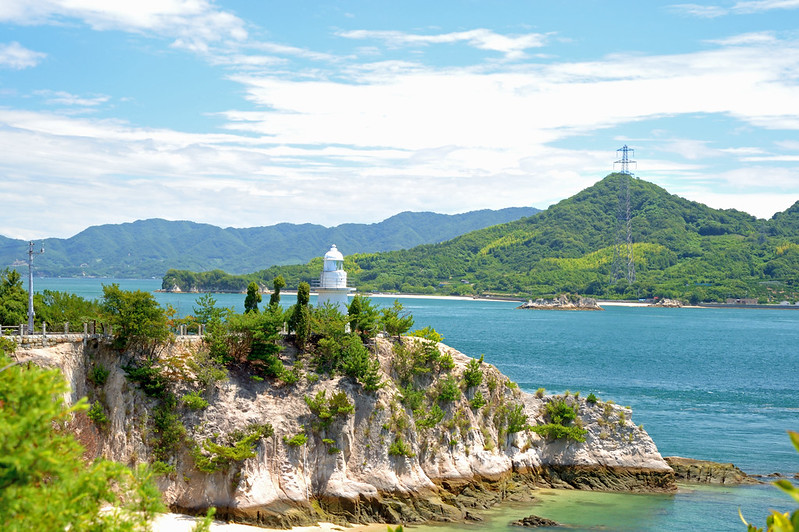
x: 717, y: 384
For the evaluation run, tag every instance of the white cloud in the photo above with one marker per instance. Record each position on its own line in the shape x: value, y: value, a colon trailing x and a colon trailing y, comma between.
x: 14, y: 55
x: 699, y: 10
x: 739, y: 8
x: 764, y: 5
x: 194, y: 24
x: 359, y: 142
x: 762, y: 37
x: 513, y: 47
x: 65, y: 98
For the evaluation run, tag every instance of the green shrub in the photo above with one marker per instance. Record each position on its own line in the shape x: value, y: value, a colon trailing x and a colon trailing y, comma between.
x: 297, y: 440
x: 162, y: 468
x: 326, y: 409
x: 516, y: 419
x: 428, y: 333
x: 331, y: 446
x: 194, y: 401
x: 168, y: 430
x: 340, y: 404
x: 98, y: 375
x: 478, y: 401
x: 411, y: 398
x: 242, y: 446
x: 540, y: 393
x: 449, y: 390
x: 473, y: 375
x: 555, y: 431
x: 400, y: 448
x: 445, y: 362
x: 97, y: 414
x: 560, y: 412
x: 433, y: 418
x: 149, y: 378
x: 591, y: 399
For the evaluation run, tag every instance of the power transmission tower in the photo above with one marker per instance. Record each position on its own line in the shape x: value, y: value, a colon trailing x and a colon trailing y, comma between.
x: 623, y: 266
x: 31, y: 254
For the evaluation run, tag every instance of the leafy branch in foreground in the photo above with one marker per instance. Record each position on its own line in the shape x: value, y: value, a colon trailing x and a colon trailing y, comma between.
x: 48, y: 486
x: 777, y: 521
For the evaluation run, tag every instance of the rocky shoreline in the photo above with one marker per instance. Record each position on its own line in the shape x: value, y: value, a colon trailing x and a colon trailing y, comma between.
x: 706, y: 472
x: 349, y: 470
x: 562, y: 302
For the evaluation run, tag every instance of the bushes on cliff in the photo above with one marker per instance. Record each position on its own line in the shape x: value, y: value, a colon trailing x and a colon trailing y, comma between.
x: 138, y: 321
x: 212, y: 457
x: 57, y: 308
x: 363, y: 317
x: 560, y: 415
x: 49, y: 486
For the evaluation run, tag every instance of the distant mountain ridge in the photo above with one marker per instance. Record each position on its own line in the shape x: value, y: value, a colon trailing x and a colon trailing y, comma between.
x: 682, y: 250
x: 148, y: 248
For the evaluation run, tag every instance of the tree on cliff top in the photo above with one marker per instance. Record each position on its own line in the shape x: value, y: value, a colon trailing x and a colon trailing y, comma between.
x: 45, y: 484
x: 13, y: 298
x: 277, y: 284
x: 300, y: 320
x: 253, y: 298
x: 138, y: 320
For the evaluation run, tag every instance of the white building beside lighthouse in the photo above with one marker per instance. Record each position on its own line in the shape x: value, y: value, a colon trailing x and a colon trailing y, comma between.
x: 333, y: 281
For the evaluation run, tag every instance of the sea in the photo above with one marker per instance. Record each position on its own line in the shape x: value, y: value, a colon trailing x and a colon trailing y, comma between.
x: 715, y: 384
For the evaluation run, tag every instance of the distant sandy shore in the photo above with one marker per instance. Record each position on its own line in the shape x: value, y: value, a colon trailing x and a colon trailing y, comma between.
x: 184, y: 523
x: 622, y: 304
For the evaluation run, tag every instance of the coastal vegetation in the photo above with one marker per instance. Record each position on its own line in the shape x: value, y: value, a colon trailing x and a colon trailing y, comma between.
x: 682, y: 250
x: 45, y: 484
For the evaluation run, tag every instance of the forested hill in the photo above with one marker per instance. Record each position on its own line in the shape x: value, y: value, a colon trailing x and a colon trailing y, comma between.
x: 147, y: 248
x: 682, y: 249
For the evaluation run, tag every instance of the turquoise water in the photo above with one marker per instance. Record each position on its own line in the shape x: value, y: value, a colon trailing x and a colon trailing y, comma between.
x: 716, y: 384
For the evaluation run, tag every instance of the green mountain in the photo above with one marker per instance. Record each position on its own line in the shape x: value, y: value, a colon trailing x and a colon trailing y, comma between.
x: 681, y: 249
x: 147, y: 248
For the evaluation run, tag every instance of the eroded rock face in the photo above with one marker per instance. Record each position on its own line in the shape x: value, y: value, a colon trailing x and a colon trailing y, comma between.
x: 462, y: 464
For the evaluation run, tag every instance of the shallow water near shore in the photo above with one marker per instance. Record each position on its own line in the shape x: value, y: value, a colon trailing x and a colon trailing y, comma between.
x: 692, y: 508
x: 714, y: 384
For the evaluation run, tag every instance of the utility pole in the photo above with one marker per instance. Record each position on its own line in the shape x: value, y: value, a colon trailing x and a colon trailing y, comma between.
x: 31, y: 254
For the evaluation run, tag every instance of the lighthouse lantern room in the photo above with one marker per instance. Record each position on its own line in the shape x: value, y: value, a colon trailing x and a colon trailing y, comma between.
x: 333, y: 281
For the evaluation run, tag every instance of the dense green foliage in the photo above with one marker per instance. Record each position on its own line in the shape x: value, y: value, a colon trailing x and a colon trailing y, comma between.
x: 253, y: 298
x: 682, y: 249
x: 48, y: 486
x: 13, y: 299
x: 561, y: 415
x: 58, y: 308
x: 138, y: 321
x: 213, y: 457
x: 147, y: 248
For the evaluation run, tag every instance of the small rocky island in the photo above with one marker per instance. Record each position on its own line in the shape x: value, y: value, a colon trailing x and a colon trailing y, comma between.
x: 563, y: 302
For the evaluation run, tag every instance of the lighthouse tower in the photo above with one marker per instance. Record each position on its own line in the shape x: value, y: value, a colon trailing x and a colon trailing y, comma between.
x: 333, y: 282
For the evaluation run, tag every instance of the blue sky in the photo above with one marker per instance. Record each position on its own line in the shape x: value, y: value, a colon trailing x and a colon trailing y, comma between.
x: 242, y: 113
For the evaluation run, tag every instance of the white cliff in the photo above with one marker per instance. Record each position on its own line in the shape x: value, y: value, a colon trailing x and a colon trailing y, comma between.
x: 465, y: 460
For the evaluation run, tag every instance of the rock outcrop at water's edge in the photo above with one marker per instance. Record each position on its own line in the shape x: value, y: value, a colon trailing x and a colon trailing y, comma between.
x: 707, y: 472
x: 563, y: 302
x: 345, y: 472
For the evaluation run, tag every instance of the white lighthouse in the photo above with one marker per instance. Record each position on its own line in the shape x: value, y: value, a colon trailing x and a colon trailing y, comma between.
x: 333, y: 282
